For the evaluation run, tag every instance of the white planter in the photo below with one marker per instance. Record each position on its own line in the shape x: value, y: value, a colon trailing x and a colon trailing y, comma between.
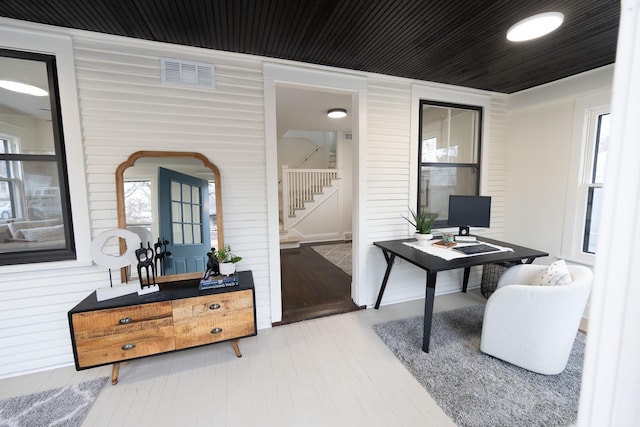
x: 423, y: 239
x: 227, y: 268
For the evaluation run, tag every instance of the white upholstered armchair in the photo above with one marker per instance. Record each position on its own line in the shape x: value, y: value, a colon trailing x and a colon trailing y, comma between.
x: 534, y: 327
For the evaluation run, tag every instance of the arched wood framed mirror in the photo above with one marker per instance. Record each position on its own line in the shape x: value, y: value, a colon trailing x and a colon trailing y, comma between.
x: 171, y: 199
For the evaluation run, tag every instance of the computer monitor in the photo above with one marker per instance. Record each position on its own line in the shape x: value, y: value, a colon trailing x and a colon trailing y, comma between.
x: 469, y: 211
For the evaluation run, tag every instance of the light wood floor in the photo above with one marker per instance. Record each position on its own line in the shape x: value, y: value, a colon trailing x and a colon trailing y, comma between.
x: 333, y: 371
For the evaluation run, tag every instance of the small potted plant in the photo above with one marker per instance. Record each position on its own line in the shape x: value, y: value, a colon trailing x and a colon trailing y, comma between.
x: 226, y: 259
x: 423, y: 222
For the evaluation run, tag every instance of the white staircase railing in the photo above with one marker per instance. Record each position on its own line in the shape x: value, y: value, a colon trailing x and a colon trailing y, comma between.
x: 299, y: 186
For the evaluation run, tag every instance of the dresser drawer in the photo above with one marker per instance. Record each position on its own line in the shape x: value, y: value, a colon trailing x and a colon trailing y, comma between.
x: 208, y: 330
x: 112, y: 335
x: 92, y: 320
x: 213, y: 318
x: 218, y: 305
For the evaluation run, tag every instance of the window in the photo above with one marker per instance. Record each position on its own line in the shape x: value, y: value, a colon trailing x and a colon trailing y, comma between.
x: 449, y: 153
x: 35, y: 214
x: 586, y: 170
x: 598, y: 145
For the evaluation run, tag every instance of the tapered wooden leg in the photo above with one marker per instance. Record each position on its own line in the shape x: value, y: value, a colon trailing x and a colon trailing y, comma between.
x: 114, y: 373
x: 236, y: 349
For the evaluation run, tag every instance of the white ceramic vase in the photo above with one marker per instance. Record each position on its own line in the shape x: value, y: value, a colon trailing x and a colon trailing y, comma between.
x: 227, y: 268
x: 423, y: 239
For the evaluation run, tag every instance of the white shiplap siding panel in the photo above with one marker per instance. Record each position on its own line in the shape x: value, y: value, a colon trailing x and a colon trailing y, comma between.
x: 384, y: 220
x: 125, y: 105
x: 388, y: 174
x: 124, y: 108
x: 33, y: 307
x: 496, y: 164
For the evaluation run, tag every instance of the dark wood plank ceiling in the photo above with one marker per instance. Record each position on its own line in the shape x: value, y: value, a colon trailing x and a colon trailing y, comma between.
x: 460, y: 42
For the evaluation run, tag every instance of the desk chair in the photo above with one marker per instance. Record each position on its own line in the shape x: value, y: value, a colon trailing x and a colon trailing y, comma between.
x: 534, y: 327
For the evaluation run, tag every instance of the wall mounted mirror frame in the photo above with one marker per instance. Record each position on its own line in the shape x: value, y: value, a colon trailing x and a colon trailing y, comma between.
x: 165, y: 157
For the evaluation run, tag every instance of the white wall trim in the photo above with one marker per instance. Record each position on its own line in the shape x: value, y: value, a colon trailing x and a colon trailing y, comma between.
x: 278, y: 74
x: 611, y: 371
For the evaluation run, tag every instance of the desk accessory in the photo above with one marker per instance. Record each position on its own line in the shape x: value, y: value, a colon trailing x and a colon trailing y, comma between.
x: 444, y: 243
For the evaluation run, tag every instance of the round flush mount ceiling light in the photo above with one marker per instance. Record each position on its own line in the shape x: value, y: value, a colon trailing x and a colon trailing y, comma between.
x: 337, y: 113
x: 535, y: 26
x: 22, y: 88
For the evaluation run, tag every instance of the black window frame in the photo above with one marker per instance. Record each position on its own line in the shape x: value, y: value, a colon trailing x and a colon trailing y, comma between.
x: 443, y: 222
x: 59, y: 158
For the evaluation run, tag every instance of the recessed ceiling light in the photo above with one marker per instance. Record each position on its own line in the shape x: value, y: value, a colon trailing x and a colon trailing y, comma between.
x: 535, y: 26
x: 22, y: 88
x: 337, y: 113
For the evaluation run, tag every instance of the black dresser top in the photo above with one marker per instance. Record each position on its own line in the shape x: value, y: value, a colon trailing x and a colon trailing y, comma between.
x: 168, y: 292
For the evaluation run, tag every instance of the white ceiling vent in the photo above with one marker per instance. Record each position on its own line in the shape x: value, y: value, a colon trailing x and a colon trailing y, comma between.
x: 177, y: 71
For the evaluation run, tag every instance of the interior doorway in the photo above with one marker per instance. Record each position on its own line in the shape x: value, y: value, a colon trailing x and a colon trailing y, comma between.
x: 322, y: 82
x: 310, y: 146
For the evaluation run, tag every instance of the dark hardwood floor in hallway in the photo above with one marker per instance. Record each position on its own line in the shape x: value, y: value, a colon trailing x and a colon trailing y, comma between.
x: 312, y: 286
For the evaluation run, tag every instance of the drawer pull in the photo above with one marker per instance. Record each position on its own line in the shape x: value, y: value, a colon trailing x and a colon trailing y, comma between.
x: 128, y: 347
x: 214, y: 306
x: 125, y: 320
x: 216, y: 330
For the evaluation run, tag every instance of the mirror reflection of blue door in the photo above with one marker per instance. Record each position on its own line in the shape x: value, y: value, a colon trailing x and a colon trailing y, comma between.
x: 183, y: 216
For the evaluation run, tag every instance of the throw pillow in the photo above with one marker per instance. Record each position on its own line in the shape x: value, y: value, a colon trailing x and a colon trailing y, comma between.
x: 555, y: 274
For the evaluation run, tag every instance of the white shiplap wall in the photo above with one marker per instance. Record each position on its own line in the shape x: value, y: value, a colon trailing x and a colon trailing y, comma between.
x: 125, y: 108
x: 496, y: 165
x: 392, y: 179
x: 388, y: 171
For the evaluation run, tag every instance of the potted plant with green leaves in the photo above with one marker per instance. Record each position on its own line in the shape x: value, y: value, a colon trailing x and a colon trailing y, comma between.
x: 226, y: 259
x: 423, y: 222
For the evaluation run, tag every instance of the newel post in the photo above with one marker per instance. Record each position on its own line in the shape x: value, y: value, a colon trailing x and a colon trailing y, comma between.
x: 286, y: 209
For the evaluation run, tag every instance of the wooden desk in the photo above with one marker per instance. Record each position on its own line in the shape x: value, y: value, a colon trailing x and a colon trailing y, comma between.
x: 433, y: 264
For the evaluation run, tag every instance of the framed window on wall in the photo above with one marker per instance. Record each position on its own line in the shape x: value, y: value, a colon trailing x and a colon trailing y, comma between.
x: 448, y: 155
x: 35, y: 208
x: 598, y: 146
x: 586, y: 175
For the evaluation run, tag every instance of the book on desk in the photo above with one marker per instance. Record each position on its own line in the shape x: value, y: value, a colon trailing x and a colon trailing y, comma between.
x: 219, y: 281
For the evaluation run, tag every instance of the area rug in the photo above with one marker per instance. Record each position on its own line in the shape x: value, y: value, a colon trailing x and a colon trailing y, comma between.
x: 338, y: 254
x: 64, y: 407
x: 475, y: 389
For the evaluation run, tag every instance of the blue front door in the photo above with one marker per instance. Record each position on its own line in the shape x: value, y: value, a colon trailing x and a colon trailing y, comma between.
x: 184, y: 220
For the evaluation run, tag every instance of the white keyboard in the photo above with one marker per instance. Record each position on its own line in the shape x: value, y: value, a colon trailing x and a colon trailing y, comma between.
x: 465, y: 239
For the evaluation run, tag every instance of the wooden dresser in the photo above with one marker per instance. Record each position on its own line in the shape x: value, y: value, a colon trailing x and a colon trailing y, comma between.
x: 179, y: 316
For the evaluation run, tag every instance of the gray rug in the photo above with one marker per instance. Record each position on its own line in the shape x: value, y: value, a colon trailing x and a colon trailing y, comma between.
x: 64, y: 407
x: 475, y: 389
x: 338, y: 254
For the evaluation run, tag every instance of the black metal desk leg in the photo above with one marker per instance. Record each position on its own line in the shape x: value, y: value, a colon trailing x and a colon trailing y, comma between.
x: 465, y: 279
x: 428, y: 309
x: 389, y: 259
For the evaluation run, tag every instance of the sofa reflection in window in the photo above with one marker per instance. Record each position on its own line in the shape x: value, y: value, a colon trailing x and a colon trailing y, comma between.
x: 30, y: 235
